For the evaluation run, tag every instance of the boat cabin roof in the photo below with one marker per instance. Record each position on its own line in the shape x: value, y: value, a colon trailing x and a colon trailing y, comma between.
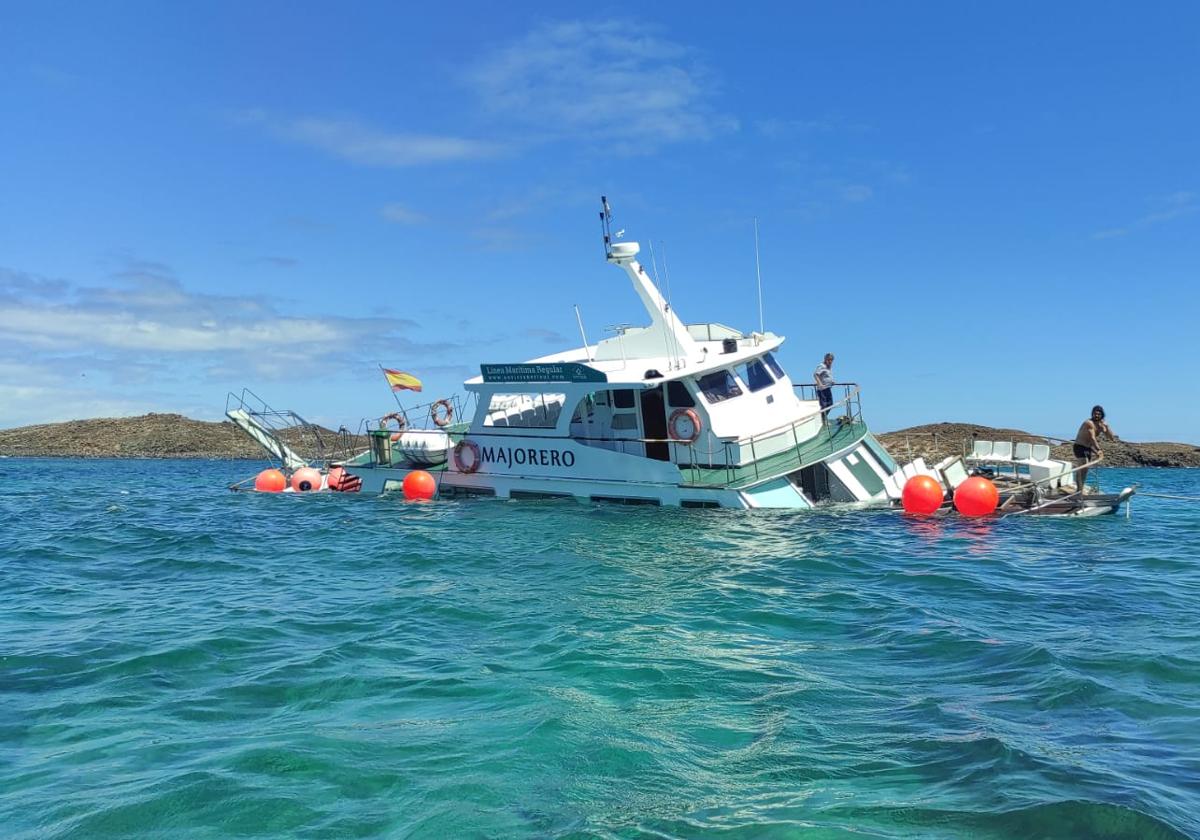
x: 608, y: 362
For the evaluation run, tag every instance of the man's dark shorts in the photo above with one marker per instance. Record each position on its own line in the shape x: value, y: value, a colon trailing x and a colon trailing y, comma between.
x: 825, y: 398
x: 1083, y: 452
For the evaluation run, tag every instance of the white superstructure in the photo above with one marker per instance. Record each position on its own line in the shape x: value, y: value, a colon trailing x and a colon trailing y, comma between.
x: 667, y: 413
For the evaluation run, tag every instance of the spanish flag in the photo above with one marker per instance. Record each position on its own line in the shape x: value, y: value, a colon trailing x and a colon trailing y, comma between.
x: 401, y: 381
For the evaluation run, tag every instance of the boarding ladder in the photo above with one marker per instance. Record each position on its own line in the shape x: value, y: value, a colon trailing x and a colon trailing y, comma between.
x: 262, y: 423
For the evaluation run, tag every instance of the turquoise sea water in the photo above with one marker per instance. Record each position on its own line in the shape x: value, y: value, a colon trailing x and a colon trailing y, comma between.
x: 181, y: 661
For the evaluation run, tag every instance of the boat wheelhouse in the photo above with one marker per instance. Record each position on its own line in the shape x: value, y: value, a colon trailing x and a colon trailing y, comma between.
x: 698, y: 415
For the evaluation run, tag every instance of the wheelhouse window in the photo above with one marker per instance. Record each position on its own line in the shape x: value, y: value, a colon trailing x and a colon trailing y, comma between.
x: 754, y: 374
x: 774, y: 366
x: 678, y: 395
x: 719, y: 386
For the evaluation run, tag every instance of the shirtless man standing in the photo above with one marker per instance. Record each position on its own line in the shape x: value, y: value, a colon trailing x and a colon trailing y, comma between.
x: 1087, y: 443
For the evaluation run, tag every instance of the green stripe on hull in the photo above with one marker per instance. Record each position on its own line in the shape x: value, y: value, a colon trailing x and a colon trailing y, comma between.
x: 833, y: 439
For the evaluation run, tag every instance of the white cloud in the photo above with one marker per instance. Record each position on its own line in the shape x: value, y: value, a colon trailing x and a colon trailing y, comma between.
x: 604, y: 81
x: 27, y: 405
x: 148, y: 310
x: 362, y: 144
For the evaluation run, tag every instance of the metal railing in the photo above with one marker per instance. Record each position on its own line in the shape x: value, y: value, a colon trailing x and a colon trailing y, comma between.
x: 776, y: 443
x: 720, y: 462
x: 284, y: 425
x: 419, y: 417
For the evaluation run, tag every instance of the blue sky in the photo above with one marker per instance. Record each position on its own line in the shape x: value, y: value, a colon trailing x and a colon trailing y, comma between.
x: 989, y: 213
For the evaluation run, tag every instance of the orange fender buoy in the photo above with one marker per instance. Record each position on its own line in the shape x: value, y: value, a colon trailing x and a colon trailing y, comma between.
x: 419, y: 485
x: 922, y: 495
x: 976, y: 497
x: 270, y: 481
x: 342, y: 481
x: 306, y: 480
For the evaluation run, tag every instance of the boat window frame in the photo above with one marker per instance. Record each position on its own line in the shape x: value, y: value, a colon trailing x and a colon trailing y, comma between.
x: 772, y: 365
x: 682, y: 386
x: 495, y: 410
x: 733, y: 391
x: 743, y: 371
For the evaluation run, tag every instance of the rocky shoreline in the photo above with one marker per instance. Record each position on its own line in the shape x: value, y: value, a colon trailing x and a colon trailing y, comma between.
x: 935, y: 441
x: 175, y: 436
x: 153, y: 436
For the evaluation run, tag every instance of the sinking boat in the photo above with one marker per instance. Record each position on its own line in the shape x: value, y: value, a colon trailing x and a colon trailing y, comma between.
x: 689, y: 415
x: 692, y: 415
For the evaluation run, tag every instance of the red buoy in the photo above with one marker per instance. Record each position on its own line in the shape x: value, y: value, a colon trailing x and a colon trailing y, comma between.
x: 419, y: 484
x: 306, y: 479
x: 270, y: 481
x: 922, y: 495
x: 976, y: 497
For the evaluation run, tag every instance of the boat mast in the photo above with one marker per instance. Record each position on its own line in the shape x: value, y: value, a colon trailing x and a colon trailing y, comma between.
x: 661, y: 315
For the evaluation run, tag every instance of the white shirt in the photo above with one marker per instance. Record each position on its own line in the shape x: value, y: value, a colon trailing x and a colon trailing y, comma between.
x: 822, y: 375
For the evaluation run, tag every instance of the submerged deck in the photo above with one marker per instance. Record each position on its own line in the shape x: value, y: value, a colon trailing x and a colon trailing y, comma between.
x: 834, y: 438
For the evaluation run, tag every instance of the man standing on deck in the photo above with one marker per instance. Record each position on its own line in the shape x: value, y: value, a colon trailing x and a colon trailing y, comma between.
x: 823, y: 377
x: 1087, y: 444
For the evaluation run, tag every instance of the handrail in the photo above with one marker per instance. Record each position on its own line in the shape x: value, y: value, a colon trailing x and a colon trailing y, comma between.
x: 718, y: 455
x: 815, y: 388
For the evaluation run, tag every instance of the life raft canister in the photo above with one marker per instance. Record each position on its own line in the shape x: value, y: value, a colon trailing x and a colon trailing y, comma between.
x: 401, y: 422
x: 466, y: 456
x: 685, y: 425
x: 441, y: 413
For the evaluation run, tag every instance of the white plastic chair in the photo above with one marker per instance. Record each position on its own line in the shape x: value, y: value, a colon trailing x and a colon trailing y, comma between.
x: 981, y: 451
x: 954, y: 473
x: 1002, y: 450
x: 1041, y: 452
x: 1023, y: 452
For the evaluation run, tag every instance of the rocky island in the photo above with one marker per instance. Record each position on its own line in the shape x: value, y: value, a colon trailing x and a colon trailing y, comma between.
x: 148, y: 436
x: 175, y: 436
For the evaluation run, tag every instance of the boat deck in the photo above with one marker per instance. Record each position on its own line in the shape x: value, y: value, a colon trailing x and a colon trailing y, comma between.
x: 835, y: 437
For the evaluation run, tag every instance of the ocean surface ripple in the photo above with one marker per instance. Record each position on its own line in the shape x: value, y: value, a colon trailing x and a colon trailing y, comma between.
x: 177, y: 660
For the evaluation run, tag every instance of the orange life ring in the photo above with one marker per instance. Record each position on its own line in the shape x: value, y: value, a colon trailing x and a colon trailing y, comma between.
x: 401, y: 422
x: 463, y: 465
x: 692, y: 417
x: 441, y: 419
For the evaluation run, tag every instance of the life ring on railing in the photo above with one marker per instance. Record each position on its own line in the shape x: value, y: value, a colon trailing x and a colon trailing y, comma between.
x: 401, y: 422
x: 441, y: 413
x: 469, y: 464
x: 685, y: 426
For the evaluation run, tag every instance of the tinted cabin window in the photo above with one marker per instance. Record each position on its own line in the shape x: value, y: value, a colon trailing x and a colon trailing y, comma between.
x: 678, y: 396
x: 623, y: 399
x: 755, y: 375
x: 719, y: 386
x: 774, y: 366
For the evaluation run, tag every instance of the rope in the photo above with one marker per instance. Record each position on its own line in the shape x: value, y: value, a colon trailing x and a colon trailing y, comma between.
x: 1165, y: 496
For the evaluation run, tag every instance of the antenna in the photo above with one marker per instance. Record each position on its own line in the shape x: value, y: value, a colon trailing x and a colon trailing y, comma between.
x: 587, y: 351
x: 605, y: 225
x: 758, y: 272
x: 667, y: 335
x: 667, y: 275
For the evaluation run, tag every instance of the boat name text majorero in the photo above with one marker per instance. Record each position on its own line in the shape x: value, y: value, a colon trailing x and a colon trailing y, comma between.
x: 518, y: 456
